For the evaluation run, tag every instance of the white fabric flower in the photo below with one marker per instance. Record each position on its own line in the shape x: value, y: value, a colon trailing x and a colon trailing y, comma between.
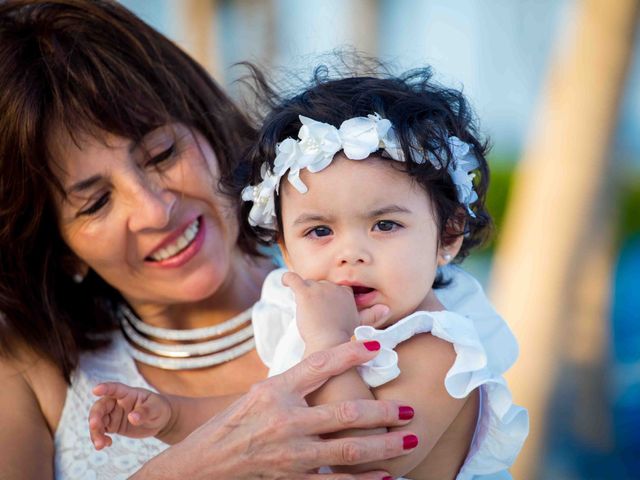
x: 463, y: 154
x: 288, y: 155
x: 288, y: 152
x: 263, y: 197
x: 319, y: 142
x: 389, y: 141
x: 463, y: 162
x: 358, y: 137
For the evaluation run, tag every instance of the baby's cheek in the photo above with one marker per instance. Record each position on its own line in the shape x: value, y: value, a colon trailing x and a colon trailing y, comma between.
x: 309, y: 270
x: 410, y: 291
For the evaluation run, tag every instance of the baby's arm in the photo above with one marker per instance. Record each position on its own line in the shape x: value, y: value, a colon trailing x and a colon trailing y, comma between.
x: 326, y: 316
x: 140, y: 413
x: 424, y: 361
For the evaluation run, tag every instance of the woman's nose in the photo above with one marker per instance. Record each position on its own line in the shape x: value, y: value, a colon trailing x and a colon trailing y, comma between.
x: 151, y: 208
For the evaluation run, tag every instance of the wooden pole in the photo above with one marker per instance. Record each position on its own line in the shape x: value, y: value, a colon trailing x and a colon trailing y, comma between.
x: 556, y: 192
x: 195, y: 32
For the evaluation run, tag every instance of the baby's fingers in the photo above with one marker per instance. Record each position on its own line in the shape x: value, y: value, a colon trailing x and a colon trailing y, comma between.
x: 99, y: 419
x: 374, y: 316
x: 294, y: 281
x: 119, y: 391
x: 141, y: 416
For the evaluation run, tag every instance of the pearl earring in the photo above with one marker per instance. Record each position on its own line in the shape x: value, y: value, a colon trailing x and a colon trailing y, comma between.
x: 78, y: 278
x: 447, y: 257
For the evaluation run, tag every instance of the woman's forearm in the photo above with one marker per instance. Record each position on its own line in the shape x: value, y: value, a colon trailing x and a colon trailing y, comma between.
x: 271, y: 432
x: 188, y: 413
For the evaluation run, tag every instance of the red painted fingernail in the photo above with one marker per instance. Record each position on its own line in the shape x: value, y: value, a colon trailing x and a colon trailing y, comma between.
x: 405, y: 413
x: 372, y: 345
x: 387, y: 478
x: 409, y: 442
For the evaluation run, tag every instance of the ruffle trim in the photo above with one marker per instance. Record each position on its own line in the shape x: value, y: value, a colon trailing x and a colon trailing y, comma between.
x: 503, y: 426
x: 272, y: 317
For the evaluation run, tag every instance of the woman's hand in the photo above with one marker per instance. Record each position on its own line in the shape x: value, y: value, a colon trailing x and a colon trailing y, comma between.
x: 272, y: 433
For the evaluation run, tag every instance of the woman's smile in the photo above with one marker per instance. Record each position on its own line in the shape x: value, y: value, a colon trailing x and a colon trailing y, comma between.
x: 175, y: 242
x: 180, y: 247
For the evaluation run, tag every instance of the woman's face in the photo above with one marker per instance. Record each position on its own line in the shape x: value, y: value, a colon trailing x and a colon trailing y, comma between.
x: 147, y: 216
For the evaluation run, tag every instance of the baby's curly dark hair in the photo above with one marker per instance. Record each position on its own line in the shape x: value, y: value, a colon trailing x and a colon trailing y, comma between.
x: 423, y: 114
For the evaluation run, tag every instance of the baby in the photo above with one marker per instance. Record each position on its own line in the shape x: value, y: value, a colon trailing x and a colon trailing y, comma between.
x: 371, y: 186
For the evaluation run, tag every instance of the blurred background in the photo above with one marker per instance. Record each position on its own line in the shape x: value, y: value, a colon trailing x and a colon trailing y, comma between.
x: 556, y: 86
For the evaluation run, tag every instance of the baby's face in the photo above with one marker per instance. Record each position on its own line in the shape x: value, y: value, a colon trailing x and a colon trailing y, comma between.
x: 367, y: 225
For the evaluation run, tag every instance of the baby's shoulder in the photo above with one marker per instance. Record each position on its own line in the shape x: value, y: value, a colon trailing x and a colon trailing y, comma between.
x: 424, y: 360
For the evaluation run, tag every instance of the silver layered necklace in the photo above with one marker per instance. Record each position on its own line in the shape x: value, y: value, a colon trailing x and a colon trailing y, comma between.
x: 194, y: 348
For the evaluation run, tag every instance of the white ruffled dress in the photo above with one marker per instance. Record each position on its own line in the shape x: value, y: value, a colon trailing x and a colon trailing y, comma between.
x: 485, y: 348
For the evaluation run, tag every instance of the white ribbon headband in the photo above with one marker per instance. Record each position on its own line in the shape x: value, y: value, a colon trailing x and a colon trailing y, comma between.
x: 358, y: 138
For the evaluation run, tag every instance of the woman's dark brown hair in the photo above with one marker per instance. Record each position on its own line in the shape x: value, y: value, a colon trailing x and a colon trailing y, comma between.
x: 83, y: 66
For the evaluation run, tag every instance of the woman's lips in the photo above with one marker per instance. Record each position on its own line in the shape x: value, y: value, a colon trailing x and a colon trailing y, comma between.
x: 176, y: 243
x: 182, y: 249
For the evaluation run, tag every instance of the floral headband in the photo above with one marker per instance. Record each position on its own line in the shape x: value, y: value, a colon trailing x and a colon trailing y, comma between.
x: 358, y: 138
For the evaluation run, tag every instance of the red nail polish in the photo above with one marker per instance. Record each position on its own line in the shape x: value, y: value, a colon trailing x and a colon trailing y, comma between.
x: 409, y: 442
x: 405, y: 413
x: 387, y: 478
x: 372, y: 345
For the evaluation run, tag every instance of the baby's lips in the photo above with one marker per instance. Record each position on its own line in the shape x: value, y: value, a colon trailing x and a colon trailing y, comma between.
x: 360, y: 290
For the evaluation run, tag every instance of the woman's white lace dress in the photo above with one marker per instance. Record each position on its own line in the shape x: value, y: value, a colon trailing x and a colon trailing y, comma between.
x: 485, y: 348
x: 75, y: 457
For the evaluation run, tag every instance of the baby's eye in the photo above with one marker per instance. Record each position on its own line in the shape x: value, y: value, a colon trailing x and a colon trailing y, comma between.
x: 386, y: 226
x: 318, y: 232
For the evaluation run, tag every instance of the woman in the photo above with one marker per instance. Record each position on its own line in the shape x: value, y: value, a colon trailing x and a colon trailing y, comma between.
x: 119, y: 188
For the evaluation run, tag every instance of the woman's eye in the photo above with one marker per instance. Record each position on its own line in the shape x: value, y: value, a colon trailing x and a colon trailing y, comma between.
x: 162, y: 156
x: 320, y: 232
x: 386, y: 226
x: 96, y: 206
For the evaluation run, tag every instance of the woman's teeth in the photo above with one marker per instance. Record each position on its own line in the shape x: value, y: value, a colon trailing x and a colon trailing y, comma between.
x: 180, y: 243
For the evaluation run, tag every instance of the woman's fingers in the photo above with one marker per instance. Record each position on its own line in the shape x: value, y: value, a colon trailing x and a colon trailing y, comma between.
x: 330, y: 418
x: 310, y: 374
x: 378, y: 475
x: 357, y: 450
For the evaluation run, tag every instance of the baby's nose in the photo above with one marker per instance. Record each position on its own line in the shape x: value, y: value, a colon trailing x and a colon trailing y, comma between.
x: 354, y: 256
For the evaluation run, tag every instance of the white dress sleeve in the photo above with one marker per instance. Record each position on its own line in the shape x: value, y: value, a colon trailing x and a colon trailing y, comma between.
x: 278, y: 341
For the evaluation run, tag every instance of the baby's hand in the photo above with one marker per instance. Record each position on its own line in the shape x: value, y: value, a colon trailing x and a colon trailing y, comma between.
x: 326, y: 313
x: 132, y: 412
